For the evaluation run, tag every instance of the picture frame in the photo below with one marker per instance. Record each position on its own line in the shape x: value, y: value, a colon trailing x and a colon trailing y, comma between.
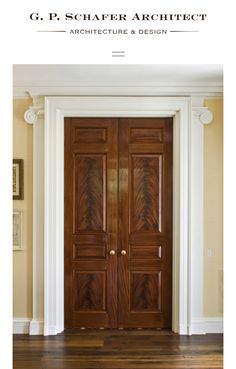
x: 18, y: 179
x: 17, y: 230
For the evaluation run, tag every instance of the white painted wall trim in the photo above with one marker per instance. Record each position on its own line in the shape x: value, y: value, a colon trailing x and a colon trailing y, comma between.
x: 207, y: 325
x: 36, y: 327
x: 214, y: 325
x: 33, y: 115
x: 28, y: 326
x: 21, y: 325
x: 198, y: 326
x: 56, y: 108
x: 76, y: 88
x: 187, y: 206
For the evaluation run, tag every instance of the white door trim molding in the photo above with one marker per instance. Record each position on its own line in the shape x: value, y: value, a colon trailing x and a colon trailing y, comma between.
x: 187, y: 196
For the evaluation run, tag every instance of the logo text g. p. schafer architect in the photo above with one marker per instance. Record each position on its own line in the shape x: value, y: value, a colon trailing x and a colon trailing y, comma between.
x: 118, y: 17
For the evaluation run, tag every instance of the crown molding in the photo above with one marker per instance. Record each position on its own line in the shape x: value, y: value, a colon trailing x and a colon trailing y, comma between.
x: 42, y: 88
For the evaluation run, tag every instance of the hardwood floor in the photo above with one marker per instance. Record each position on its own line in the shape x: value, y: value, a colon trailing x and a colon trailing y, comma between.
x: 118, y: 349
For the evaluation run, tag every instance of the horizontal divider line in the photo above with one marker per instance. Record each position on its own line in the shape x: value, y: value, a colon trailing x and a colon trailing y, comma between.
x: 182, y: 31
x: 51, y: 31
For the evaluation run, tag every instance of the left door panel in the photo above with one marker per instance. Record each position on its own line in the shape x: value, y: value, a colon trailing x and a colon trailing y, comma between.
x: 90, y: 203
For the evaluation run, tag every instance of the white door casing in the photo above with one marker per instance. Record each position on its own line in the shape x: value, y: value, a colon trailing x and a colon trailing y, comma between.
x: 189, y: 115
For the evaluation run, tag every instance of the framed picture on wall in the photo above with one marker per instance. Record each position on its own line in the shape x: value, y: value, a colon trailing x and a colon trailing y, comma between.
x: 17, y: 230
x: 18, y: 179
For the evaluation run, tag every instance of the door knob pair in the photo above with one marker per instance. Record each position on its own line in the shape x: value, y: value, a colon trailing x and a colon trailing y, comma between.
x: 112, y: 252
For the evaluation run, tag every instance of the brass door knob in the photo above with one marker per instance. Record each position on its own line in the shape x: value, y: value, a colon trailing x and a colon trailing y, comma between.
x: 112, y: 252
x: 123, y: 252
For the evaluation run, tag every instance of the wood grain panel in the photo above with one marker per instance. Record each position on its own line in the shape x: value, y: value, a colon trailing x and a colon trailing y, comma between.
x: 151, y: 135
x: 87, y: 251
x: 89, y: 192
x: 90, y: 291
x: 91, y: 238
x: 89, y: 135
x: 146, y: 201
x: 145, y: 252
x: 145, y: 291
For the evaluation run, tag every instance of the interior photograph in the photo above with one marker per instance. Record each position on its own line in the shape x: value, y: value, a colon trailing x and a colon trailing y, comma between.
x: 117, y: 216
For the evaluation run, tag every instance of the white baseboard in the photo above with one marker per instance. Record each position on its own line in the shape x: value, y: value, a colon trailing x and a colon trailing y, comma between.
x: 183, y: 330
x: 27, y: 326
x: 50, y: 330
x: 206, y: 325
x: 197, y: 326
x: 36, y: 327
x: 21, y: 325
x: 214, y: 325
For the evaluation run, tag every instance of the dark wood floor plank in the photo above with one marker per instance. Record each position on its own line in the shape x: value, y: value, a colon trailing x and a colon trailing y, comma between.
x: 130, y: 364
x: 110, y: 349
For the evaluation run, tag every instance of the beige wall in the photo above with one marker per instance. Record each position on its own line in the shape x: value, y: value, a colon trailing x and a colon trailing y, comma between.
x: 212, y: 212
x: 22, y: 260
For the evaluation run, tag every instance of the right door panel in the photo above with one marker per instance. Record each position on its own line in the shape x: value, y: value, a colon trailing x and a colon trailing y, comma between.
x: 145, y: 222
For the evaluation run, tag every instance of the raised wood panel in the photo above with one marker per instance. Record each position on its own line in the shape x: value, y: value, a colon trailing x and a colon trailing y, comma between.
x: 146, y: 171
x: 144, y: 135
x: 90, y: 264
x: 88, y: 251
x: 145, y: 291
x: 89, y: 135
x: 90, y: 291
x: 144, y: 264
x: 91, y: 238
x: 146, y: 239
x: 89, y: 193
x: 146, y: 252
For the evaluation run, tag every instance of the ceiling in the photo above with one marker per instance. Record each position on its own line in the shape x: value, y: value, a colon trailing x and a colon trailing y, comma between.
x: 102, y: 72
x: 52, y: 77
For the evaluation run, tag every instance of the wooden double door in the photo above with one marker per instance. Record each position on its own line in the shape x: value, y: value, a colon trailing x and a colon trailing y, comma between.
x: 118, y: 222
